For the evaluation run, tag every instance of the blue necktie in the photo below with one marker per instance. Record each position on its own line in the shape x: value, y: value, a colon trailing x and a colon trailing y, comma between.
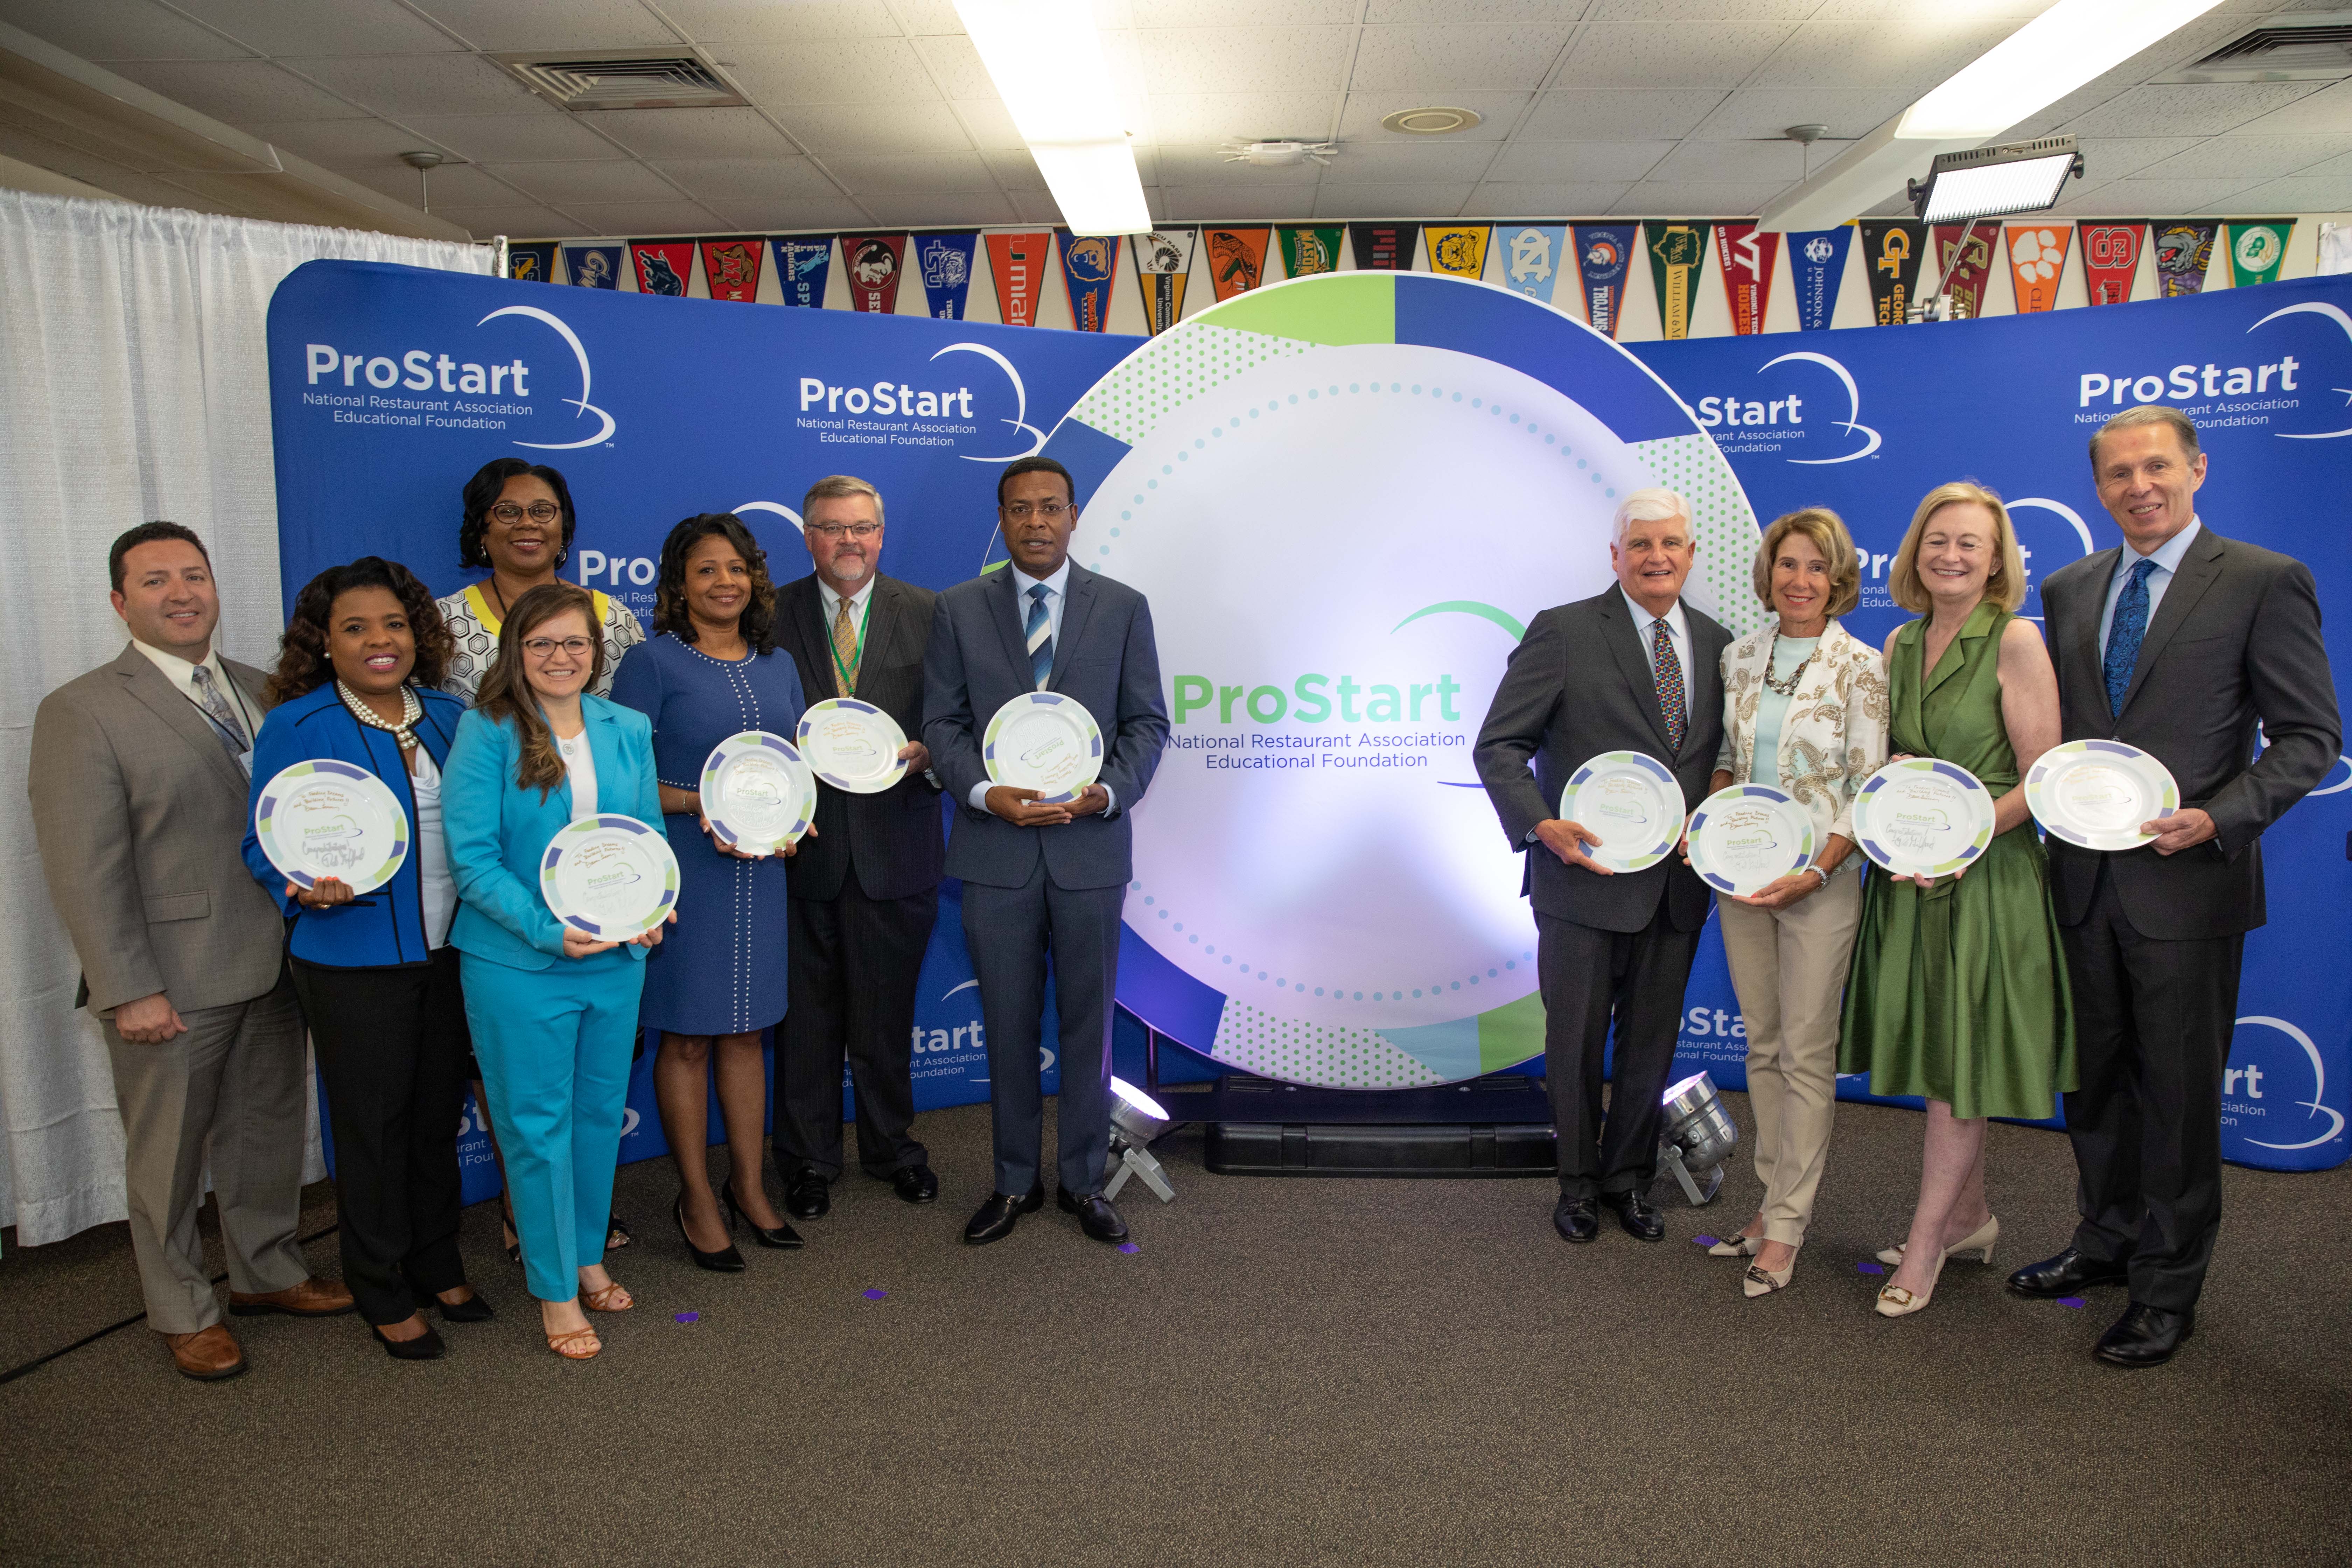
x: 2125, y: 633
x: 1040, y: 633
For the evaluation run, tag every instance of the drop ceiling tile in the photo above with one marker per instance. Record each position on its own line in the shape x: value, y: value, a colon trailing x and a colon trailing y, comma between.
x: 1204, y: 167
x: 239, y: 91
x: 1699, y: 198
x: 1360, y: 121
x: 1912, y: 55
x: 564, y: 183
x: 504, y: 25
x: 520, y: 221
x: 340, y: 143
x: 1605, y: 115
x: 987, y: 124
x: 1578, y: 163
x: 2206, y: 109
x: 1036, y: 206
x: 1768, y: 111
x: 932, y: 171
x: 718, y: 180
x: 1151, y: 13
x: 783, y: 216
x: 834, y: 70
x: 1701, y: 10
x: 1430, y: 161
x: 2250, y: 158
x: 402, y: 85
x: 923, y: 17
x: 723, y: 22
x: 2327, y: 169
x: 111, y: 30
x: 930, y: 209
x: 2153, y: 198
x: 1421, y: 59
x: 1528, y: 199
x: 1415, y: 200
x: 1663, y: 55
x: 1305, y: 62
x: 1221, y: 204
x: 520, y: 138
x: 1782, y: 162
x: 955, y: 65
x: 645, y: 220
x: 2108, y: 158
x: 692, y: 132
x: 827, y: 128
x: 2295, y: 195
x: 1476, y: 13
x: 2013, y: 11
x: 2327, y: 112
x: 308, y: 28
x: 451, y: 185
x: 1213, y: 119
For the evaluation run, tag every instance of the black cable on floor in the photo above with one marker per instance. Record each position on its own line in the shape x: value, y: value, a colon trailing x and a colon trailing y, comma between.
x: 14, y: 1372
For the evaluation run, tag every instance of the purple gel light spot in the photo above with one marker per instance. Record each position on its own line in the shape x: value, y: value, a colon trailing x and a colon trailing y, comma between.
x: 1706, y: 1241
x: 1869, y: 1269
x: 874, y: 1295
x: 2075, y: 1301
x: 1129, y: 1247
x: 690, y: 1317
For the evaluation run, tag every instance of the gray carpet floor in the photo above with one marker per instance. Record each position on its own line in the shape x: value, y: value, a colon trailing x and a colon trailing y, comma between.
x: 1292, y: 1372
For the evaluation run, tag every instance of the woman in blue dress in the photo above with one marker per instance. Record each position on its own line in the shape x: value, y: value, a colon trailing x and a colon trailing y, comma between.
x: 711, y: 671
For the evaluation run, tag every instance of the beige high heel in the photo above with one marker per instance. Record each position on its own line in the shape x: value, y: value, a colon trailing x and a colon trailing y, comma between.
x: 1737, y: 1246
x: 1761, y: 1281
x: 1895, y: 1301
x: 1979, y: 1241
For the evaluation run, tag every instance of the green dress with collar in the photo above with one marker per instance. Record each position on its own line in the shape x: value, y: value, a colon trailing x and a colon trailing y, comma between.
x: 1959, y: 992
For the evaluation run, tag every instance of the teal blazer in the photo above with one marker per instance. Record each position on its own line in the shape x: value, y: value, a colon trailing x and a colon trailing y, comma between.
x: 498, y: 829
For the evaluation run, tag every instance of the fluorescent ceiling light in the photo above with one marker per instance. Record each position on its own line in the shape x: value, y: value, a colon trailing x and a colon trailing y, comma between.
x: 2041, y: 62
x: 1046, y: 61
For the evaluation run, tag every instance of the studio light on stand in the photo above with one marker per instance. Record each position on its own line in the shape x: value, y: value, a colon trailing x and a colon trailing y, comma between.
x: 1988, y: 183
x: 1136, y: 1118
x: 1696, y: 1136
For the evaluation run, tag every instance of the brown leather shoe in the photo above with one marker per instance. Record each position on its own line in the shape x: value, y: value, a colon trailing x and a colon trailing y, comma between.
x: 310, y: 1299
x: 207, y: 1355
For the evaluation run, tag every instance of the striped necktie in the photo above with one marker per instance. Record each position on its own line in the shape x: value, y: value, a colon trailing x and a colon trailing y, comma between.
x: 1669, y: 672
x: 226, y: 725
x: 844, y: 652
x: 1040, y: 632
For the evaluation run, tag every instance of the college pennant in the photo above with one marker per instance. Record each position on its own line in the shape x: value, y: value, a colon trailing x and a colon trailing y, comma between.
x: 2184, y: 249
x: 594, y: 266
x: 1018, y: 263
x: 1603, y: 253
x: 1890, y: 249
x: 2111, y: 259
x: 1458, y: 250
x: 1236, y: 260
x: 731, y: 268
x: 2257, y: 249
x: 1677, y: 250
x: 1163, y: 260
x: 663, y: 265
x: 1088, y: 266
x: 1307, y: 251
x: 945, y: 262
x: 874, y: 261
x: 1383, y: 247
x: 1964, y: 262
x: 533, y: 263
x: 1817, y: 271
x: 1539, y: 254
x: 802, y: 262
x: 2037, y: 260
x: 1747, y: 257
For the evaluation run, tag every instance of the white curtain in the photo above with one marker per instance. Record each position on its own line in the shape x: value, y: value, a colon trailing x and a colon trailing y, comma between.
x: 133, y: 384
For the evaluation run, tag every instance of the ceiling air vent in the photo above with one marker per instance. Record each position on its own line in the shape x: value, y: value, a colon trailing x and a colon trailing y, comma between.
x: 2316, y: 47
x: 622, y: 78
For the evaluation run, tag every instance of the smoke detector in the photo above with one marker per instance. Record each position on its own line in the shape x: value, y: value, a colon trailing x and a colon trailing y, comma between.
x: 1432, y: 122
x: 1279, y: 155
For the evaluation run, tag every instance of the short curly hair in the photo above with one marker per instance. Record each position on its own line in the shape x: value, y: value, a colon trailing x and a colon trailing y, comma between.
x: 303, y: 662
x: 482, y: 493
x: 759, y: 623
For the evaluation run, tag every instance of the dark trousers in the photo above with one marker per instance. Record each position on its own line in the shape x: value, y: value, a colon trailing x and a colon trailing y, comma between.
x: 2152, y: 1026
x: 390, y: 1045
x: 1012, y: 932
x: 1590, y: 978
x: 855, y: 961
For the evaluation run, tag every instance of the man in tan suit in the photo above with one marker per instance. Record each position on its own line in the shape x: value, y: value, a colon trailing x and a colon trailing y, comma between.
x: 140, y: 777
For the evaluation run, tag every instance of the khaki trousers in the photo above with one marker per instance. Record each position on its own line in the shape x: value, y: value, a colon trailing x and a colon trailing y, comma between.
x: 1788, y: 967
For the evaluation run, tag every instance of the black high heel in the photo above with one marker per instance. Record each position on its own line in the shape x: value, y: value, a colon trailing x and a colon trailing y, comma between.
x: 726, y: 1260
x: 426, y: 1346
x: 783, y: 1236
x: 474, y: 1308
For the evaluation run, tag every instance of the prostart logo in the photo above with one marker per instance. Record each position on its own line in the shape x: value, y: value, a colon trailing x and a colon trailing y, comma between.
x: 437, y: 389
x: 1743, y: 424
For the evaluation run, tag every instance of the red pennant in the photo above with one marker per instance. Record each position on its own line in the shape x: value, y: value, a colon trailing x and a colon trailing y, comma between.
x: 1964, y: 253
x: 1018, y: 262
x: 664, y: 266
x: 1748, y: 259
x: 874, y: 262
x: 731, y: 268
x: 2111, y: 259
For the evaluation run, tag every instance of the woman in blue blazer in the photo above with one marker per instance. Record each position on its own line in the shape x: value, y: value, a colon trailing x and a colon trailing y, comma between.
x: 356, y: 679
x: 553, y: 1011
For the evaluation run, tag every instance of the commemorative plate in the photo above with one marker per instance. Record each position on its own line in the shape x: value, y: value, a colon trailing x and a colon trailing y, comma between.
x: 611, y: 876
x: 1633, y: 802
x: 329, y: 818
x: 1045, y: 741
x: 1923, y: 818
x: 757, y: 793
x: 2097, y: 793
x: 852, y: 745
x: 1747, y: 838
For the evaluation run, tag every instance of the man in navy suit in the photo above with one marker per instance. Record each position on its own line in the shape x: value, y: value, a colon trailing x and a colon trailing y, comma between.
x: 1044, y: 882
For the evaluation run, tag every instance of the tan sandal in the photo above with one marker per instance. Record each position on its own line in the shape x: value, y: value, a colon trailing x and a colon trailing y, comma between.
x: 579, y: 1345
x: 611, y: 1299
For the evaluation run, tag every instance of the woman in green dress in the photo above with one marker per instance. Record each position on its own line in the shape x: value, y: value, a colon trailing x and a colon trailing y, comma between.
x: 1959, y: 987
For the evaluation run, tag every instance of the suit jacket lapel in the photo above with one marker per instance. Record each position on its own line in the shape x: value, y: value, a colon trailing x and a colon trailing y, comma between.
x: 881, y: 613
x: 1705, y: 683
x: 153, y: 688
x: 2198, y: 570
x: 804, y: 614
x: 1076, y: 606
x: 1009, y: 617
x: 2087, y: 659
x: 1625, y: 643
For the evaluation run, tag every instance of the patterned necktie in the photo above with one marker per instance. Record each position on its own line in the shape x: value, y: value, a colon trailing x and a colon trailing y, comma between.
x: 2125, y: 633
x: 210, y: 698
x: 844, y: 652
x: 1040, y: 632
x: 1669, y: 671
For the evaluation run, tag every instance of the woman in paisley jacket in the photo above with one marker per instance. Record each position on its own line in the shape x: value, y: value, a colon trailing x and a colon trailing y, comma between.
x: 1805, y: 711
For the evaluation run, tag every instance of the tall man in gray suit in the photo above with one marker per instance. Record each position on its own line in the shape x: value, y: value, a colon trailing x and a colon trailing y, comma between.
x: 1633, y: 670
x: 1043, y: 882
x: 864, y: 890
x: 139, y: 783
x: 2180, y: 642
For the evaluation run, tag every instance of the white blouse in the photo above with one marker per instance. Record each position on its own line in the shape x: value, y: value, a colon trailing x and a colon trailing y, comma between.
x: 437, y: 888
x: 579, y: 767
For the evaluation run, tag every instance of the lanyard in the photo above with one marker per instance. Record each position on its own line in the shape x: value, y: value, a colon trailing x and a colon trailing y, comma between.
x: 847, y: 677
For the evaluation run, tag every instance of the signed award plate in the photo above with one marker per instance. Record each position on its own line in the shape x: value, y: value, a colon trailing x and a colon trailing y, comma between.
x: 852, y: 745
x: 611, y: 876
x: 1633, y: 802
x: 1923, y: 818
x: 2097, y: 793
x: 757, y: 793
x: 1747, y: 838
x: 326, y: 818
x: 1045, y: 741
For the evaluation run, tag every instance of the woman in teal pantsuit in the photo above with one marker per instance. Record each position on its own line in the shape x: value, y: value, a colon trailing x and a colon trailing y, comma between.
x: 553, y: 1012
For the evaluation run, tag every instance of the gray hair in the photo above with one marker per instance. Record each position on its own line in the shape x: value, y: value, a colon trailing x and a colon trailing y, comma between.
x: 1652, y: 503
x: 2172, y: 418
x: 834, y: 486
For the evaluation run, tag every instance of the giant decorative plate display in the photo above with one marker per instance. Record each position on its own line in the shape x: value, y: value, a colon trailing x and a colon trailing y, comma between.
x: 1346, y: 497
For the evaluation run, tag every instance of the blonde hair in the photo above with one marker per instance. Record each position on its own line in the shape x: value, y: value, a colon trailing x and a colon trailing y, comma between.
x: 1828, y: 532
x: 1652, y: 503
x: 2005, y: 585
x: 833, y: 486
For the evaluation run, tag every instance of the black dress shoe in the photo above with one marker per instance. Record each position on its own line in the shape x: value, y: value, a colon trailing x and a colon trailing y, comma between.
x: 2065, y: 1274
x: 915, y: 1184
x: 474, y: 1308
x: 1575, y: 1219
x: 2145, y: 1336
x: 996, y: 1218
x: 807, y: 1194
x: 1640, y: 1219
x: 783, y: 1236
x: 426, y: 1346
x: 726, y: 1260
x: 1096, y: 1217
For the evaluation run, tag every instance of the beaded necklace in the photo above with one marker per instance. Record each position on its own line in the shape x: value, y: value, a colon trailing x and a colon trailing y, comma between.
x: 404, y: 732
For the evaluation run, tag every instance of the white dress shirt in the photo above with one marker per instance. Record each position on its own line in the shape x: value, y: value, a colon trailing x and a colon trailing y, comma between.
x: 2167, y: 557
x: 860, y: 603
x: 181, y: 674
x: 1677, y: 631
x: 1056, y: 597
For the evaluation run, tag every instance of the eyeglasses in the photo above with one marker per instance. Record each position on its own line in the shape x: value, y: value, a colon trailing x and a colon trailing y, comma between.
x: 1051, y: 510
x: 835, y: 529
x: 510, y: 513
x: 544, y: 647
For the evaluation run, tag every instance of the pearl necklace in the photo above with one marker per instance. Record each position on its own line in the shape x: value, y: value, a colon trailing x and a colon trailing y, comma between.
x: 402, y: 732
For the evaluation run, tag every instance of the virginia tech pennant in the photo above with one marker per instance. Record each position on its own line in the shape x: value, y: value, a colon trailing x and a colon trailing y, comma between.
x: 1747, y: 255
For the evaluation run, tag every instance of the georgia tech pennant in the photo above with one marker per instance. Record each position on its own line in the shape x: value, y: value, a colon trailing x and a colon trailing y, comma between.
x: 594, y: 266
x: 731, y: 268
x: 874, y: 261
x: 1603, y: 251
x: 2111, y: 259
x: 1088, y: 266
x: 1163, y: 258
x: 533, y: 263
x: 1457, y: 250
x: 945, y: 262
x: 2257, y: 249
x: 1747, y: 257
x: 663, y: 265
x: 1307, y: 251
x: 1236, y: 260
x: 1817, y: 271
x: 1537, y: 255
x: 802, y: 262
x: 2184, y: 249
x: 1677, y: 249
x: 1890, y: 250
x: 2037, y: 260
x: 1964, y: 256
x: 1018, y: 263
x: 1383, y: 247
